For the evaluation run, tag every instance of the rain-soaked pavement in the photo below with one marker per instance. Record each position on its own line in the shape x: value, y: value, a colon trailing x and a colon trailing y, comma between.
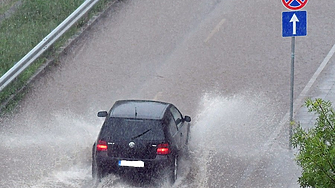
x: 223, y: 62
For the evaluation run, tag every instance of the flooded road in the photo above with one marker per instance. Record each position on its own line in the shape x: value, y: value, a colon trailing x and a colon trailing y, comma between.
x: 220, y: 62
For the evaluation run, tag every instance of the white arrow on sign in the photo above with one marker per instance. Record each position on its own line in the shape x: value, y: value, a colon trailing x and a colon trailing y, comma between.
x: 294, y: 19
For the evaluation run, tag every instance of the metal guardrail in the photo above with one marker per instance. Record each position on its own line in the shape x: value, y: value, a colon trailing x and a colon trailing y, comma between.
x: 40, y: 48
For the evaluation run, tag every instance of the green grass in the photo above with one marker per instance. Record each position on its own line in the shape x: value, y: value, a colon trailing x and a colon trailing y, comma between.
x: 34, y: 20
x: 6, y: 6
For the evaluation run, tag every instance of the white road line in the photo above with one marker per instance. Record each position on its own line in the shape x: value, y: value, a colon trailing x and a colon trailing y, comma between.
x: 158, y: 95
x: 215, y: 30
x: 285, y: 120
x: 318, y: 72
x: 298, y: 102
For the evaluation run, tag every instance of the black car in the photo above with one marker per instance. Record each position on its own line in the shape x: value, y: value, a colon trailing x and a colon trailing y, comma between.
x: 142, y: 135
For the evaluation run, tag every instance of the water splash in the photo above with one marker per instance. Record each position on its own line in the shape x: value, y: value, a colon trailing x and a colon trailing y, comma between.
x: 228, y: 131
x: 49, y: 153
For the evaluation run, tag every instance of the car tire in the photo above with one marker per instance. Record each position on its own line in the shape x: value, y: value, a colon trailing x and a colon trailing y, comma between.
x: 188, y: 135
x: 174, y: 170
x: 97, y: 173
x: 186, y: 149
x: 94, y: 170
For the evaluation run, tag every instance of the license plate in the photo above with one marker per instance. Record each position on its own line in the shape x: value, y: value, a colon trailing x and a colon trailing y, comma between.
x: 131, y: 163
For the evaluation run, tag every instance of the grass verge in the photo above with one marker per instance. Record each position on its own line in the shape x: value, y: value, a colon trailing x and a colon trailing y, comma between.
x: 30, y: 23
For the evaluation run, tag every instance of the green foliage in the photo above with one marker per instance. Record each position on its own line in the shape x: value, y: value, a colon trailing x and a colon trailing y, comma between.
x: 6, y: 5
x: 30, y: 23
x: 316, y: 146
x: 33, y: 20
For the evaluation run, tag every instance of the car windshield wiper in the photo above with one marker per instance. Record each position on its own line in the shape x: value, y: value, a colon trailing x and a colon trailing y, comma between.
x: 141, y: 134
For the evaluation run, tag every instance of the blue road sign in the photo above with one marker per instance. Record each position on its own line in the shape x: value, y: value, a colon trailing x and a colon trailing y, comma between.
x: 294, y: 23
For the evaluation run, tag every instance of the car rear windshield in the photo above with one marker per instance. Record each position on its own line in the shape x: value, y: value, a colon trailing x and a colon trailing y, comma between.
x: 131, y: 129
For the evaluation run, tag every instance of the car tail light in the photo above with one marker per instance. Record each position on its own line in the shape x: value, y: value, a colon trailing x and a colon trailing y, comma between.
x: 102, y: 145
x: 163, y: 149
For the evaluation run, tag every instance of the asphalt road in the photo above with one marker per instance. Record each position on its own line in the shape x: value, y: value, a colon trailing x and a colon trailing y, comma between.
x: 224, y: 63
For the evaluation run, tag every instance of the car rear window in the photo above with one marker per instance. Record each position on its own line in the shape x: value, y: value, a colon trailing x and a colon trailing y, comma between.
x: 131, y: 129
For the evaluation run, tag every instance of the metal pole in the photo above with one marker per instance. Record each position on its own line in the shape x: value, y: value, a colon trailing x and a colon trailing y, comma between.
x: 292, y: 89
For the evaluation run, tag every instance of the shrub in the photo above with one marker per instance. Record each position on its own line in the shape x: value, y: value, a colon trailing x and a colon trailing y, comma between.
x: 316, y: 147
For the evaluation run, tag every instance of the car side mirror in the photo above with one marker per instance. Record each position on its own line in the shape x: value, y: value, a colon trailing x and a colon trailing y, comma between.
x: 187, y: 118
x: 102, y: 114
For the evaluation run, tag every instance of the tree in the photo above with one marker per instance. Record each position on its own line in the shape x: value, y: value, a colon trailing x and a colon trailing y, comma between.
x: 316, y: 147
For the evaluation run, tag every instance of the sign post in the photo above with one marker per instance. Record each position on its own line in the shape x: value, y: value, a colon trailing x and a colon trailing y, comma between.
x: 292, y: 89
x: 294, y: 23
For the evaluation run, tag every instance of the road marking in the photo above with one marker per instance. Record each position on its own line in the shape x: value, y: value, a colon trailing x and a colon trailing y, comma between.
x: 298, y: 102
x: 215, y: 30
x: 285, y: 120
x: 318, y: 72
x: 158, y: 95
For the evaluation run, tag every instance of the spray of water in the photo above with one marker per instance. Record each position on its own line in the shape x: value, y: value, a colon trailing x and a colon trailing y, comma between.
x: 48, y: 152
x: 227, y: 133
x: 56, y: 152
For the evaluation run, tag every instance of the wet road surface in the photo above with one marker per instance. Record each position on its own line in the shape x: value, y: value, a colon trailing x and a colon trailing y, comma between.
x: 222, y: 62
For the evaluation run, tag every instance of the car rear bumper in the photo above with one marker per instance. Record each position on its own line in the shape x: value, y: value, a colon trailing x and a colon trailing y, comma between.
x: 111, y: 163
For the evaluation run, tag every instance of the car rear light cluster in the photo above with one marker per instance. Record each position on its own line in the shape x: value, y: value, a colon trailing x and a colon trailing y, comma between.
x: 163, y: 149
x: 102, y: 146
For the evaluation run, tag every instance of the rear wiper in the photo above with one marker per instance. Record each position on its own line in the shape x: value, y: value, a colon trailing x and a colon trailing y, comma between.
x: 141, y: 134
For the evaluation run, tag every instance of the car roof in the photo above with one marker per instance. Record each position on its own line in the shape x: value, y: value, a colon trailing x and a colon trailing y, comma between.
x: 139, y: 109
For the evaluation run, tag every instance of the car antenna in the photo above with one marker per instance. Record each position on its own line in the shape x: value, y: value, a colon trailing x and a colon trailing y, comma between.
x: 135, y: 112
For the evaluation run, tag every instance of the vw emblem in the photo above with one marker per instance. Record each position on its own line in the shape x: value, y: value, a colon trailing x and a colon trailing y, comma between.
x: 131, y: 144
